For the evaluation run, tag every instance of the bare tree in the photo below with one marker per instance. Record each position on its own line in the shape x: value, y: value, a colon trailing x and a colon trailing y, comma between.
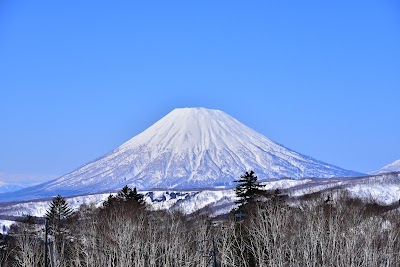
x: 27, y: 243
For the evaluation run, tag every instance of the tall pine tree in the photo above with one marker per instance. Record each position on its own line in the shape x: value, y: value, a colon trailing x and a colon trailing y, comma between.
x: 58, y: 216
x: 248, y: 189
x: 58, y: 212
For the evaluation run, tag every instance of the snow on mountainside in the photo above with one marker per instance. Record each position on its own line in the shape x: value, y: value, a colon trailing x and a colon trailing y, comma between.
x: 392, y: 167
x: 188, y: 148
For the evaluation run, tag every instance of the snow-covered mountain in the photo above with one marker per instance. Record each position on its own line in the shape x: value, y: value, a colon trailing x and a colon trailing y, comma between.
x: 392, y: 167
x: 188, y: 148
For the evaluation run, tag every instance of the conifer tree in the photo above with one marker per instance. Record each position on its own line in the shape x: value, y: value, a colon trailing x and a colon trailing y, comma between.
x: 58, y: 212
x: 57, y: 215
x: 125, y: 195
x: 129, y: 195
x: 248, y: 188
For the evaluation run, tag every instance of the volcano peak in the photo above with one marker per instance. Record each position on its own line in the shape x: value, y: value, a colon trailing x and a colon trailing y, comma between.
x: 189, y: 148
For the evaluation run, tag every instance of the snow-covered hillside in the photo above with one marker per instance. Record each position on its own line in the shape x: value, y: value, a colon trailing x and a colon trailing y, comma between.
x: 384, y: 189
x: 392, y: 167
x: 188, y: 148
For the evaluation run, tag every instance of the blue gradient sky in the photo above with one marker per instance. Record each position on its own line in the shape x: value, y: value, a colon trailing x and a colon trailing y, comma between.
x: 78, y: 78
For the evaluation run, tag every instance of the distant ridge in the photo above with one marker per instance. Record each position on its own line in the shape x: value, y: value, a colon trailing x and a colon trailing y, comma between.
x: 392, y: 167
x: 188, y: 148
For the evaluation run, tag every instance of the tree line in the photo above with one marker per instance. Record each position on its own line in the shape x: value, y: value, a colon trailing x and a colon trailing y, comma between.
x: 267, y: 229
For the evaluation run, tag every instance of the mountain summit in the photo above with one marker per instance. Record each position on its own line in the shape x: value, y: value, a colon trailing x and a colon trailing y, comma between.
x: 188, y: 148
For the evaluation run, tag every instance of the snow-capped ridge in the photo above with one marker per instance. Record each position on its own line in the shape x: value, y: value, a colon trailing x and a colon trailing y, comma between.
x: 392, y: 167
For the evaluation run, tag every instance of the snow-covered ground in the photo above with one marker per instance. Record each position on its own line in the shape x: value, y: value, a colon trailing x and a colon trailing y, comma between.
x: 384, y: 189
x: 5, y: 226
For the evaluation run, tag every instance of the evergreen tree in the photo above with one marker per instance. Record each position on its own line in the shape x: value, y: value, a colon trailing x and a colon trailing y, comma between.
x: 58, y: 212
x: 248, y: 189
x: 58, y: 216
x: 125, y: 195
x: 128, y: 195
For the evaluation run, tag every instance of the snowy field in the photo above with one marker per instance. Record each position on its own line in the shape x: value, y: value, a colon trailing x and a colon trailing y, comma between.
x: 383, y: 189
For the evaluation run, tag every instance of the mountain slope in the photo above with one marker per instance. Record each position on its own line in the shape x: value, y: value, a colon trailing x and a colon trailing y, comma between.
x: 392, y: 167
x: 188, y: 148
x: 5, y: 187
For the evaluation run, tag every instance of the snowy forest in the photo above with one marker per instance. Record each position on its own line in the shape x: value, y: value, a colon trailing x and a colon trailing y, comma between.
x: 267, y: 229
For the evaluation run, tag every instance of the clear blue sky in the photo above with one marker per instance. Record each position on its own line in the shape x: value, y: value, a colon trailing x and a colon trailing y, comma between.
x: 79, y: 78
